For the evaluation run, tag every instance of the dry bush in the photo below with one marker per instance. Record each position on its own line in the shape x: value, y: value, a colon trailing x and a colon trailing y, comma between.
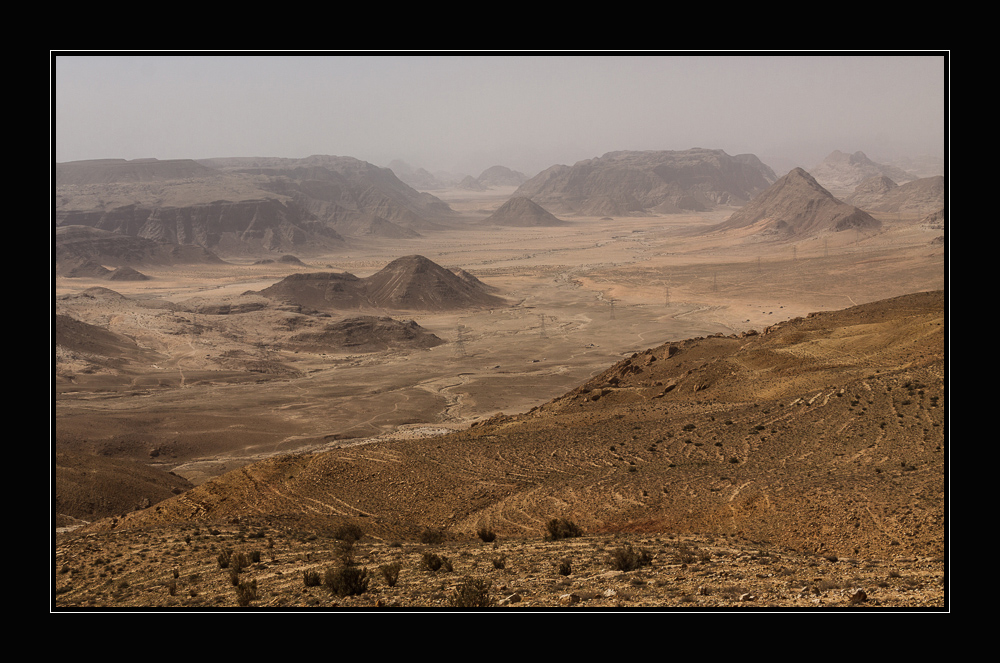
x: 246, y: 592
x: 561, y: 528
x: 346, y: 580
x: 473, y: 593
x: 627, y: 559
x: 390, y: 573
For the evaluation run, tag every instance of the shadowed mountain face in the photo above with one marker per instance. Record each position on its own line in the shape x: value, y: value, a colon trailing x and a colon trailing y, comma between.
x: 822, y: 433
x: 796, y: 206
x: 632, y: 182
x: 244, y: 205
x: 80, y: 245
x: 408, y: 283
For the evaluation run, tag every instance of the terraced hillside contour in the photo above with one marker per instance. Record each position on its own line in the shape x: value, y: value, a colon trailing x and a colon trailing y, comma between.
x: 822, y: 434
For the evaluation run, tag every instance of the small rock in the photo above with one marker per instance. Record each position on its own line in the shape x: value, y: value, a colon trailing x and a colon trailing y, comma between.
x: 858, y: 597
x: 569, y: 599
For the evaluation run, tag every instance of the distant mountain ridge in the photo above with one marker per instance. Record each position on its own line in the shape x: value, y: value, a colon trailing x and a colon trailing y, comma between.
x: 845, y: 171
x: 245, y: 205
x: 628, y: 182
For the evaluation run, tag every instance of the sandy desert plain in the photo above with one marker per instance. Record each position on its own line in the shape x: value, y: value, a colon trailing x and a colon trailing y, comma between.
x: 582, y: 297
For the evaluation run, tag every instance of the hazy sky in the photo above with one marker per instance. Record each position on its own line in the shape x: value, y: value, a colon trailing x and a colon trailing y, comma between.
x: 464, y: 113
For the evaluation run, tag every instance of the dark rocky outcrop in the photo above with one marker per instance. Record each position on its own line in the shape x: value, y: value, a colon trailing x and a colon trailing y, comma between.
x: 364, y: 334
x: 408, y: 283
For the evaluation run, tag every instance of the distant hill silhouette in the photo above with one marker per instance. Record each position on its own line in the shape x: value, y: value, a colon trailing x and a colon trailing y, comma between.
x: 845, y: 171
x: 917, y: 197
x: 494, y: 176
x: 520, y: 211
x: 111, y: 171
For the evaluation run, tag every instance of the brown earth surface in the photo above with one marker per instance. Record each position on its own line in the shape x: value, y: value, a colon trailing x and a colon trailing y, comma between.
x: 628, y: 387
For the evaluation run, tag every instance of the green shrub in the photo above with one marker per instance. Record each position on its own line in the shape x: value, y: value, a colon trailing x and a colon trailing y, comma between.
x: 561, y: 528
x: 346, y: 580
x: 472, y: 593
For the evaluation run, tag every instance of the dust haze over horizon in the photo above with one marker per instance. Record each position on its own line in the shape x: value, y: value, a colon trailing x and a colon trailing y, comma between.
x: 463, y: 114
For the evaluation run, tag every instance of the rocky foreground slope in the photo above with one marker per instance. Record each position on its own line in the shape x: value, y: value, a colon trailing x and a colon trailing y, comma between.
x: 803, y: 465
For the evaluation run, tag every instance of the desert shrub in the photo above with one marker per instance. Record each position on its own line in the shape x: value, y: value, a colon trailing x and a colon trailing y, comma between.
x: 246, y: 592
x: 472, y: 593
x: 564, y: 567
x: 684, y: 554
x: 431, y: 535
x: 345, y: 551
x: 486, y: 535
x: 234, y: 575
x: 561, y: 528
x: 390, y: 573
x: 224, y: 559
x: 499, y: 562
x: 346, y: 580
x: 627, y: 559
x: 311, y: 578
x: 348, y: 532
x: 255, y: 556
x: 434, y: 562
